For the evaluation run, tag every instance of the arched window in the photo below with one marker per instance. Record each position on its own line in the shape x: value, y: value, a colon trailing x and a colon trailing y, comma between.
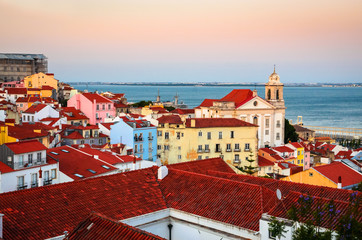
x: 269, y: 94
x: 255, y: 120
x: 277, y: 95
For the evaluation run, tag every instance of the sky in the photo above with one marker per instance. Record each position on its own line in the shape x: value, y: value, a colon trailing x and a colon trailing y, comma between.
x: 189, y: 40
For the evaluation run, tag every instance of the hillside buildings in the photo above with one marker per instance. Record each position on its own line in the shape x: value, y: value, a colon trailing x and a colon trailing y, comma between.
x: 244, y: 104
x: 16, y: 66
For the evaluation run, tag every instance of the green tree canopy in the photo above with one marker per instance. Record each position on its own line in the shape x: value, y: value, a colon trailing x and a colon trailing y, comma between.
x: 289, y: 133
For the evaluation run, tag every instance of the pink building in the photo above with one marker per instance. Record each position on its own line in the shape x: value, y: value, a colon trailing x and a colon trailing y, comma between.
x: 94, y: 106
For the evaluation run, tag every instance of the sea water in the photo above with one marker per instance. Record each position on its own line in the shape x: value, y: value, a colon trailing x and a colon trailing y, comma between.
x: 319, y: 106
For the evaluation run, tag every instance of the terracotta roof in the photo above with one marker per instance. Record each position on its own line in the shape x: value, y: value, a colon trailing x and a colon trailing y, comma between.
x: 5, y: 168
x: 26, y: 146
x: 207, y: 102
x: 22, y: 133
x: 107, y: 125
x: 98, y: 98
x: 74, y: 161
x: 34, y: 89
x: 72, y: 113
x: 120, y: 105
x: 210, y: 197
x: 159, y: 109
x: 17, y: 91
x: 28, y: 99
x: 203, y: 166
x: 296, y: 145
x: 268, y: 150
x: 46, y: 87
x: 35, y: 108
x: 183, y: 111
x: 263, y: 162
x: 173, y: 119
x: 100, y: 227
x: 334, y: 170
x: 218, y: 122
x: 322, y: 138
x: 328, y: 147
x: 109, y: 156
x: 291, y: 200
x: 239, y: 96
x: 139, y: 123
x: 45, y: 212
x: 73, y: 135
x: 283, y: 149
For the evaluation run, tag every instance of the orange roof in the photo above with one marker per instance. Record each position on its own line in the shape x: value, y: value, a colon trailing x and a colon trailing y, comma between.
x: 26, y: 146
x: 238, y: 96
x: 96, y: 97
x: 263, y: 162
x: 35, y: 108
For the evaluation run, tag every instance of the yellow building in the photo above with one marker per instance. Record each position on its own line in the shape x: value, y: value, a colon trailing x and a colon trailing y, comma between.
x: 4, y: 136
x: 199, y: 138
x: 39, y: 80
x: 298, y: 152
x: 328, y: 176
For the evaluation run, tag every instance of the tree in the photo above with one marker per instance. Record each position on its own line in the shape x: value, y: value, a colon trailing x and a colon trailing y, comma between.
x: 277, y: 228
x: 249, y: 169
x: 141, y: 103
x: 289, y: 133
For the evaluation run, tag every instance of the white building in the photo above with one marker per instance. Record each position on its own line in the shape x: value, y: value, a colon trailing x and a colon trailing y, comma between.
x: 24, y: 165
x: 39, y: 111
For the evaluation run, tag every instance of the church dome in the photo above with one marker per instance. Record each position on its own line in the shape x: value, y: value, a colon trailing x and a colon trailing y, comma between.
x: 274, y: 79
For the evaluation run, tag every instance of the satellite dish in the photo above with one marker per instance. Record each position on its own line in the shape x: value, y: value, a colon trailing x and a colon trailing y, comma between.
x: 279, y: 194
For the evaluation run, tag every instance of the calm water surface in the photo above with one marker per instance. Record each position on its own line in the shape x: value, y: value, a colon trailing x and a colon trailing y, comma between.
x: 334, y: 107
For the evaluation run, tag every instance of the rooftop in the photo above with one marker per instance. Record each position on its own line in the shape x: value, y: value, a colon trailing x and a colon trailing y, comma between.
x: 26, y: 146
x: 217, y: 122
x: 96, y: 97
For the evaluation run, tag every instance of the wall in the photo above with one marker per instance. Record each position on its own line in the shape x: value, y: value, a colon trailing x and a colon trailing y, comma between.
x: 311, y: 176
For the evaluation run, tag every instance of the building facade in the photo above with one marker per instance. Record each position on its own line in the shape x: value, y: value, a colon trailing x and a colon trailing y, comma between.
x: 181, y: 140
x: 244, y: 104
x: 15, y: 67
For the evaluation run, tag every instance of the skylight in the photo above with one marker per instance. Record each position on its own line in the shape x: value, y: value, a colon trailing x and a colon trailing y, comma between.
x: 78, y: 175
x: 63, y: 150
x: 92, y: 171
x: 106, y: 167
x: 54, y: 153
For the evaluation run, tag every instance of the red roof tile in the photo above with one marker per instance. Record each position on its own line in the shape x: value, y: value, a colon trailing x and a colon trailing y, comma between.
x: 26, y: 146
x: 72, y: 113
x: 283, y: 149
x: 208, y: 102
x: 172, y: 119
x: 159, y: 109
x: 107, y: 125
x: 100, y: 227
x: 22, y: 132
x: 263, y: 162
x: 45, y: 212
x: 16, y: 91
x: 238, y: 96
x: 35, y: 108
x: 296, y: 144
x: 98, y: 98
x: 5, y: 168
x: 202, y: 166
x: 334, y: 170
x: 217, y: 122
x: 46, y: 87
x: 182, y: 111
x: 73, y: 135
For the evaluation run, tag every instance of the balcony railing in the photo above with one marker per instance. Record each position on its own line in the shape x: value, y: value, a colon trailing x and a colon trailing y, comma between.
x: 139, y: 139
x: 247, y: 150
x: 24, y: 186
x: 34, y: 184
x: 150, y: 138
x: 199, y: 150
x: 228, y: 149
x: 237, y: 150
x: 35, y: 162
x: 207, y: 150
x: 236, y: 160
x: 47, y: 182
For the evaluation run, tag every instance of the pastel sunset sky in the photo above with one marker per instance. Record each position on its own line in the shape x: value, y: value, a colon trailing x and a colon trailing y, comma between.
x: 188, y: 40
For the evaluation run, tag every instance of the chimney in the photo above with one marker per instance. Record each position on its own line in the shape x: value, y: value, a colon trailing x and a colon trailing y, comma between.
x: 1, y: 225
x: 339, y: 185
x: 162, y: 172
x: 40, y: 182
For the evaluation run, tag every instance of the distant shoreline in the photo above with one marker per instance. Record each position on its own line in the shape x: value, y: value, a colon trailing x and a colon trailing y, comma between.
x: 215, y: 84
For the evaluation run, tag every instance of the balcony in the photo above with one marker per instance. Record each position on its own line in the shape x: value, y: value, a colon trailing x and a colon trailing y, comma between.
x: 207, y: 150
x: 36, y: 162
x: 34, y: 184
x: 150, y: 138
x: 237, y: 161
x: 139, y: 139
x: 47, y: 182
x: 150, y: 149
x: 218, y: 150
x: 247, y: 150
x: 21, y: 187
x: 228, y: 149
x: 200, y: 150
x: 237, y: 150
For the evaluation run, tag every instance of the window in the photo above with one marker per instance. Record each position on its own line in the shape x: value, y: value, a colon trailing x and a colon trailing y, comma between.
x: 54, y: 173
x: 237, y: 147
x: 232, y: 134
x: 24, y: 118
x: 199, y: 157
x: 135, y: 148
x: 34, y: 180
x: 167, y: 135
x: 298, y: 153
x: 30, y: 158
x: 21, y: 105
x: 38, y: 156
x: 32, y: 118
x: 278, y: 124
x: 159, y: 133
x: 178, y: 135
x: 179, y: 156
x: 267, y: 123
x: 217, y: 148
x: 159, y: 147
x: 209, y: 135
x: 103, y: 107
x: 167, y: 147
x: 199, y: 149
x: 228, y: 147
x: 81, y: 141
x: 310, y: 174
x: 298, y: 161
x: 141, y: 148
x: 28, y: 118
x: 247, y: 146
x: 97, y: 106
x: 255, y: 120
x: 301, y: 161
x: 237, y: 158
x: 220, y: 135
x: 46, y: 175
x: 278, y: 136
x: 179, y: 147
x: 21, y: 183
x: 266, y: 132
x: 109, y: 106
x: 21, y: 160
x: 207, y: 149
x: 200, y: 134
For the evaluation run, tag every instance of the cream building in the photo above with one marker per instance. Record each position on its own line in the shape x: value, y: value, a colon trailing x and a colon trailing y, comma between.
x: 181, y: 140
x: 244, y: 104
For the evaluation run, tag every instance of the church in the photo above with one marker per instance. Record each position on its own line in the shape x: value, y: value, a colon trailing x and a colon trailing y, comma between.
x: 268, y: 113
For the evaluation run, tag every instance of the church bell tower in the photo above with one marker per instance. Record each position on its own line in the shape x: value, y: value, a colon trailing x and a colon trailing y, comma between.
x: 274, y: 90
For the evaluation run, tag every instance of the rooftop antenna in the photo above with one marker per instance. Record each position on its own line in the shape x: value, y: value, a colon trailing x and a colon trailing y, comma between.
x: 274, y: 68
